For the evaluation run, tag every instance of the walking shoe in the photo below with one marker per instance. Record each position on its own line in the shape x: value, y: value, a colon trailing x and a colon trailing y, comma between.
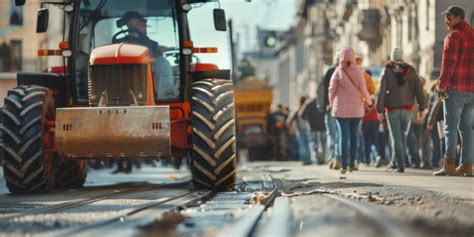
x: 448, y: 167
x: 331, y: 164
x: 350, y: 169
x: 379, y: 162
x: 465, y: 170
x: 356, y: 165
x: 426, y: 166
x: 337, y: 164
x: 343, y: 170
x: 400, y: 170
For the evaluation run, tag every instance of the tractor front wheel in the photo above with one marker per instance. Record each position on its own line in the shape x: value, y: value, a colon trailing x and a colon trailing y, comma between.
x: 28, y: 166
x: 213, y: 157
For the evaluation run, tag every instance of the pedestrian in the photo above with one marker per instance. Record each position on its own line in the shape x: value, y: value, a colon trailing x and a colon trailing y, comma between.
x: 315, y: 118
x: 435, y: 125
x: 278, y: 133
x: 334, y: 154
x: 415, y: 132
x: 369, y: 83
x: 347, y: 95
x: 456, y: 85
x: 395, y: 98
x: 302, y: 131
x: 370, y: 131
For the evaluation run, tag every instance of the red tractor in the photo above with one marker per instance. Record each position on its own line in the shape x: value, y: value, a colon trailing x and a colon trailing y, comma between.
x: 120, y: 94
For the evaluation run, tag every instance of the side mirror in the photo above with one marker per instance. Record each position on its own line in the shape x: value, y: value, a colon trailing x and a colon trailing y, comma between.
x: 219, y: 20
x: 19, y: 2
x: 42, y: 20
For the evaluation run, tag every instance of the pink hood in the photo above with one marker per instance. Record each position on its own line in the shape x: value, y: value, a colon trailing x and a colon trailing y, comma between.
x: 347, y: 87
x: 347, y: 58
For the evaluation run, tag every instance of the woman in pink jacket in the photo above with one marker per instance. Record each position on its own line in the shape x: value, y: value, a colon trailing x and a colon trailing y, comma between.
x: 347, y: 95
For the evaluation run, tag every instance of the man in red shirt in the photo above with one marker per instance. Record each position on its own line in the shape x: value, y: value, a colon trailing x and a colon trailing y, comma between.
x: 457, y: 82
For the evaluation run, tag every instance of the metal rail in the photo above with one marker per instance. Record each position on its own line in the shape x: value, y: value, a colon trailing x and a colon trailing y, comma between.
x: 246, y: 224
x: 74, y: 204
x: 125, y: 224
x: 69, y: 205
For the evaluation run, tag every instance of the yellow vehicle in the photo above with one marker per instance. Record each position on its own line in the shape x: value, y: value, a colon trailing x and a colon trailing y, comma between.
x: 253, y: 99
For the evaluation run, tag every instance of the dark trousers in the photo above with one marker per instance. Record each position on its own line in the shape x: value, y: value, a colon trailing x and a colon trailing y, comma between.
x: 370, y: 130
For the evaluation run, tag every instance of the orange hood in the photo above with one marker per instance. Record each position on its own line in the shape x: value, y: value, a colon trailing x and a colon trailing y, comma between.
x: 120, y: 54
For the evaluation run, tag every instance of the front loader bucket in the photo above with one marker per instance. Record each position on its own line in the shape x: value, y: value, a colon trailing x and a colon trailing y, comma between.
x: 107, y: 132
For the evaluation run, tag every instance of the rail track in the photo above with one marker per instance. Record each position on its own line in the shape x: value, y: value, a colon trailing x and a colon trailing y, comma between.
x: 255, y: 209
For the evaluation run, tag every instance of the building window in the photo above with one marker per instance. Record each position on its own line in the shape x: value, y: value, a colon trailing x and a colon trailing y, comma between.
x: 16, y: 14
x: 16, y: 59
x: 11, y: 56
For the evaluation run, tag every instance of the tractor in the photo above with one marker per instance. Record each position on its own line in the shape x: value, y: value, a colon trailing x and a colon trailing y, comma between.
x: 113, y: 98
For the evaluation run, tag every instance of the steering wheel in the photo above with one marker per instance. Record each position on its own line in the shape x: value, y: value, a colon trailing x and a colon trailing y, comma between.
x: 127, y: 32
x: 171, y: 52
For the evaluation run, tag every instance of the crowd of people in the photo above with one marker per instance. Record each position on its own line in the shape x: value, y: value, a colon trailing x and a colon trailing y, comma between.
x: 399, y: 124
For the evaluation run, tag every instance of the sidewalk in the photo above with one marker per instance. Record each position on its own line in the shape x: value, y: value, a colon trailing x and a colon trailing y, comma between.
x: 462, y: 187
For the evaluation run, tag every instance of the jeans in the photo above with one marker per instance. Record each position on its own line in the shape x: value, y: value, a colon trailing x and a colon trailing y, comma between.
x: 317, y: 143
x: 361, y: 146
x: 303, y: 144
x: 294, y: 148
x: 398, y: 123
x: 370, y: 130
x: 348, y: 133
x: 413, y: 142
x: 459, y: 115
x: 436, y: 156
x: 332, y: 136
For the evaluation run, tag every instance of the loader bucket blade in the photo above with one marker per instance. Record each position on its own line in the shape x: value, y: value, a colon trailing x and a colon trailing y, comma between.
x: 108, y: 132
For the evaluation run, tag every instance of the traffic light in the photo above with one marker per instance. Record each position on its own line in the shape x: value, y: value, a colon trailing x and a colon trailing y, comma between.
x: 270, y: 39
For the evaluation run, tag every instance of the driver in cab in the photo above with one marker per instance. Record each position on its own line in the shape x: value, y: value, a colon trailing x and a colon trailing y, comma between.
x: 136, y: 29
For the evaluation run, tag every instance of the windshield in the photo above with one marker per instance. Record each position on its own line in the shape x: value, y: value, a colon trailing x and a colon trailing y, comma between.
x: 200, y: 26
x: 151, y: 23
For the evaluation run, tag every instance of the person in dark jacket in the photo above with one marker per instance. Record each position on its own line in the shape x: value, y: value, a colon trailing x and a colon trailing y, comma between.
x: 302, y: 131
x: 330, y: 122
x: 315, y: 118
x: 395, y: 98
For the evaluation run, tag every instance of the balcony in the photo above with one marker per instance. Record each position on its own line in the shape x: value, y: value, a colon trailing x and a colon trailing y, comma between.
x: 369, y: 28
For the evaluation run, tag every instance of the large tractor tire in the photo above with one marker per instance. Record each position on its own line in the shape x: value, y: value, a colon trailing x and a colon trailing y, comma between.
x: 27, y: 166
x: 71, y: 173
x: 213, y: 157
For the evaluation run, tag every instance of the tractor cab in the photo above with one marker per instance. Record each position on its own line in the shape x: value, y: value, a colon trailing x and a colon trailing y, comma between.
x: 105, y: 30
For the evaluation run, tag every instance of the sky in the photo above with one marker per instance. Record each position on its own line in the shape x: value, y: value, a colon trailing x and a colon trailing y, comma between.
x: 268, y: 14
x: 246, y: 16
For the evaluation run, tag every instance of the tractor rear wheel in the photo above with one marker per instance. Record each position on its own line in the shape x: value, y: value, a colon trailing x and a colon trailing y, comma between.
x: 71, y: 173
x: 27, y: 165
x: 213, y: 163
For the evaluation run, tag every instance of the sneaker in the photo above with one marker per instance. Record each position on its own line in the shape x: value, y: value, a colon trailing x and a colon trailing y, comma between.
x: 337, y: 164
x: 350, y: 169
x: 343, y: 170
x: 379, y: 162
